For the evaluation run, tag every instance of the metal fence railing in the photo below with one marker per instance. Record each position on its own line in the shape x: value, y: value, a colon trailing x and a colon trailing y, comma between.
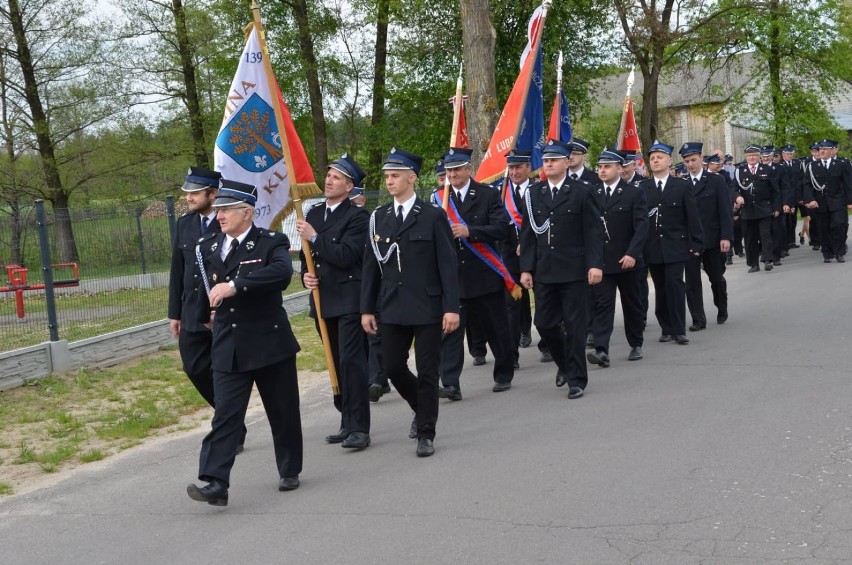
x: 109, y: 266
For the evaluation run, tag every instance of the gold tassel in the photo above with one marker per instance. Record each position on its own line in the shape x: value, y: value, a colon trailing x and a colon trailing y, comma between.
x: 306, y: 190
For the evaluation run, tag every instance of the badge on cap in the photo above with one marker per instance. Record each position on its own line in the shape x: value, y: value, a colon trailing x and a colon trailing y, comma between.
x: 393, y: 150
x: 550, y: 142
x: 685, y: 147
x: 451, y: 151
x: 189, y: 171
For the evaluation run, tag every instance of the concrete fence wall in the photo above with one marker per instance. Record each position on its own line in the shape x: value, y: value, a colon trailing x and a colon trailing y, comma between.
x: 21, y: 365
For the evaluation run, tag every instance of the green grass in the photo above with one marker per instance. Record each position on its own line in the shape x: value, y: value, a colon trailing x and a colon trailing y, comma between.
x: 5, y: 489
x: 25, y: 454
x: 91, y: 455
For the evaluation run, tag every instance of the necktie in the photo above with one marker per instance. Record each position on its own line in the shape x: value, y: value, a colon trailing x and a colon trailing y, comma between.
x: 204, y: 221
x: 327, y: 212
x: 458, y: 195
x: 555, y: 190
x: 517, y: 192
x: 753, y: 169
x: 399, y: 217
x: 660, y: 186
x: 234, y: 244
x: 608, y: 193
x: 825, y: 164
x: 694, y: 181
x: 574, y: 176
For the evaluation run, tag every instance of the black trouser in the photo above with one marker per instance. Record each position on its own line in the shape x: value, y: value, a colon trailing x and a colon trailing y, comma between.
x: 525, y: 309
x: 779, y: 236
x: 670, y: 291
x: 195, y: 348
x: 713, y: 262
x: 421, y: 391
x: 758, y: 240
x: 346, y: 339
x: 737, y: 244
x: 644, y: 291
x: 490, y: 310
x: 627, y: 285
x: 831, y: 226
x: 279, y: 391
x: 564, y: 302
x: 476, y: 338
x: 513, y: 312
x: 790, y: 226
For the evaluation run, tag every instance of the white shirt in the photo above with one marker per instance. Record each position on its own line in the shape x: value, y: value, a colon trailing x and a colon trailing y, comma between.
x: 696, y: 179
x: 406, y: 206
x: 521, y: 188
x: 558, y: 185
x: 579, y: 172
x: 226, y: 246
x: 664, y: 180
x: 462, y: 192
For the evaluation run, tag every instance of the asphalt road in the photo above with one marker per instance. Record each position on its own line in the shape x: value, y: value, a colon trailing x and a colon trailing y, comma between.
x: 734, y: 449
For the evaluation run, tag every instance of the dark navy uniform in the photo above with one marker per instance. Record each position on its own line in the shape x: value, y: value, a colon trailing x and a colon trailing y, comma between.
x: 831, y: 189
x: 481, y: 290
x: 624, y: 214
x: 252, y: 344
x: 559, y: 257
x: 713, y: 198
x: 338, y: 251
x: 195, y: 339
x: 762, y: 198
x: 674, y: 233
x: 413, y: 288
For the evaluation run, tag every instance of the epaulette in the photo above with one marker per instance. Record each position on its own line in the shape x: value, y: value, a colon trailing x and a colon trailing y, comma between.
x: 318, y: 204
x: 207, y: 235
x: 263, y: 232
x: 185, y: 214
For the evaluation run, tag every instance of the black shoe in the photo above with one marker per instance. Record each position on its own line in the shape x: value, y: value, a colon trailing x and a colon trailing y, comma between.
x: 357, y: 440
x: 386, y: 389
x: 729, y: 261
x: 826, y: 259
x: 768, y: 266
x: 240, y: 449
x: 575, y: 392
x: 526, y: 340
x: 425, y: 448
x: 816, y: 247
x: 338, y: 437
x: 841, y: 258
x: 516, y: 365
x: 697, y: 327
x: 590, y: 339
x: 665, y: 338
x: 681, y: 339
x: 215, y: 493
x: 754, y: 269
x: 801, y: 239
x: 561, y: 378
x: 635, y: 354
x: 546, y: 357
x: 451, y: 392
x: 740, y: 254
x: 288, y: 483
x: 478, y: 360
x: 777, y: 263
x: 721, y: 318
x: 795, y: 245
x: 500, y: 387
x: 412, y: 431
x: 375, y: 392
x: 598, y: 358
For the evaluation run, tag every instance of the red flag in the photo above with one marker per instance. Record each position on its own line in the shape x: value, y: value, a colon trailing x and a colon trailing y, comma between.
x: 304, y: 174
x: 505, y: 135
x: 628, y: 134
x: 553, y: 128
x: 462, y: 139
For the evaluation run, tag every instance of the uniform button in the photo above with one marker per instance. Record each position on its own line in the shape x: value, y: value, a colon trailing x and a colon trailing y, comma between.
x: 399, y: 283
x: 318, y: 265
x: 195, y: 276
x: 233, y: 325
x: 275, y: 326
x: 232, y: 309
x: 227, y: 278
x: 350, y: 276
x: 245, y: 289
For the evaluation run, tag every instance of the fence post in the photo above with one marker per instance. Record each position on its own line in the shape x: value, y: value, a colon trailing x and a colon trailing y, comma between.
x: 47, y: 271
x: 141, y: 241
x: 170, y: 213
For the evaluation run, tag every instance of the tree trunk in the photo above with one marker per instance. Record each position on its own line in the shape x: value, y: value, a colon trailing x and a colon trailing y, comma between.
x: 306, y: 44
x: 774, y: 63
x: 379, y: 68
x: 10, y: 195
x: 64, y: 230
x: 649, y: 120
x: 191, y: 98
x: 478, y: 37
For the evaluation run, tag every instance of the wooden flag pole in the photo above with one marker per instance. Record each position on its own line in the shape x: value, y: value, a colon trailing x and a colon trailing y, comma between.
x: 621, y: 129
x: 294, y: 195
x: 454, y: 131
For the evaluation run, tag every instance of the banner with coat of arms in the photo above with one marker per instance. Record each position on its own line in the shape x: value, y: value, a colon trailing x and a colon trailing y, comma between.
x: 248, y: 148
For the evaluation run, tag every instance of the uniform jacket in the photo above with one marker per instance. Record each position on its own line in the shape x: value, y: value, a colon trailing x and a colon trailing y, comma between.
x: 184, y: 279
x: 637, y: 178
x: 573, y: 244
x: 674, y: 228
x: 761, y: 200
x: 250, y: 329
x: 837, y: 183
x: 625, y: 225
x: 713, y: 198
x: 338, y: 253
x: 420, y: 284
x: 509, y: 246
x: 488, y: 222
x: 790, y: 177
